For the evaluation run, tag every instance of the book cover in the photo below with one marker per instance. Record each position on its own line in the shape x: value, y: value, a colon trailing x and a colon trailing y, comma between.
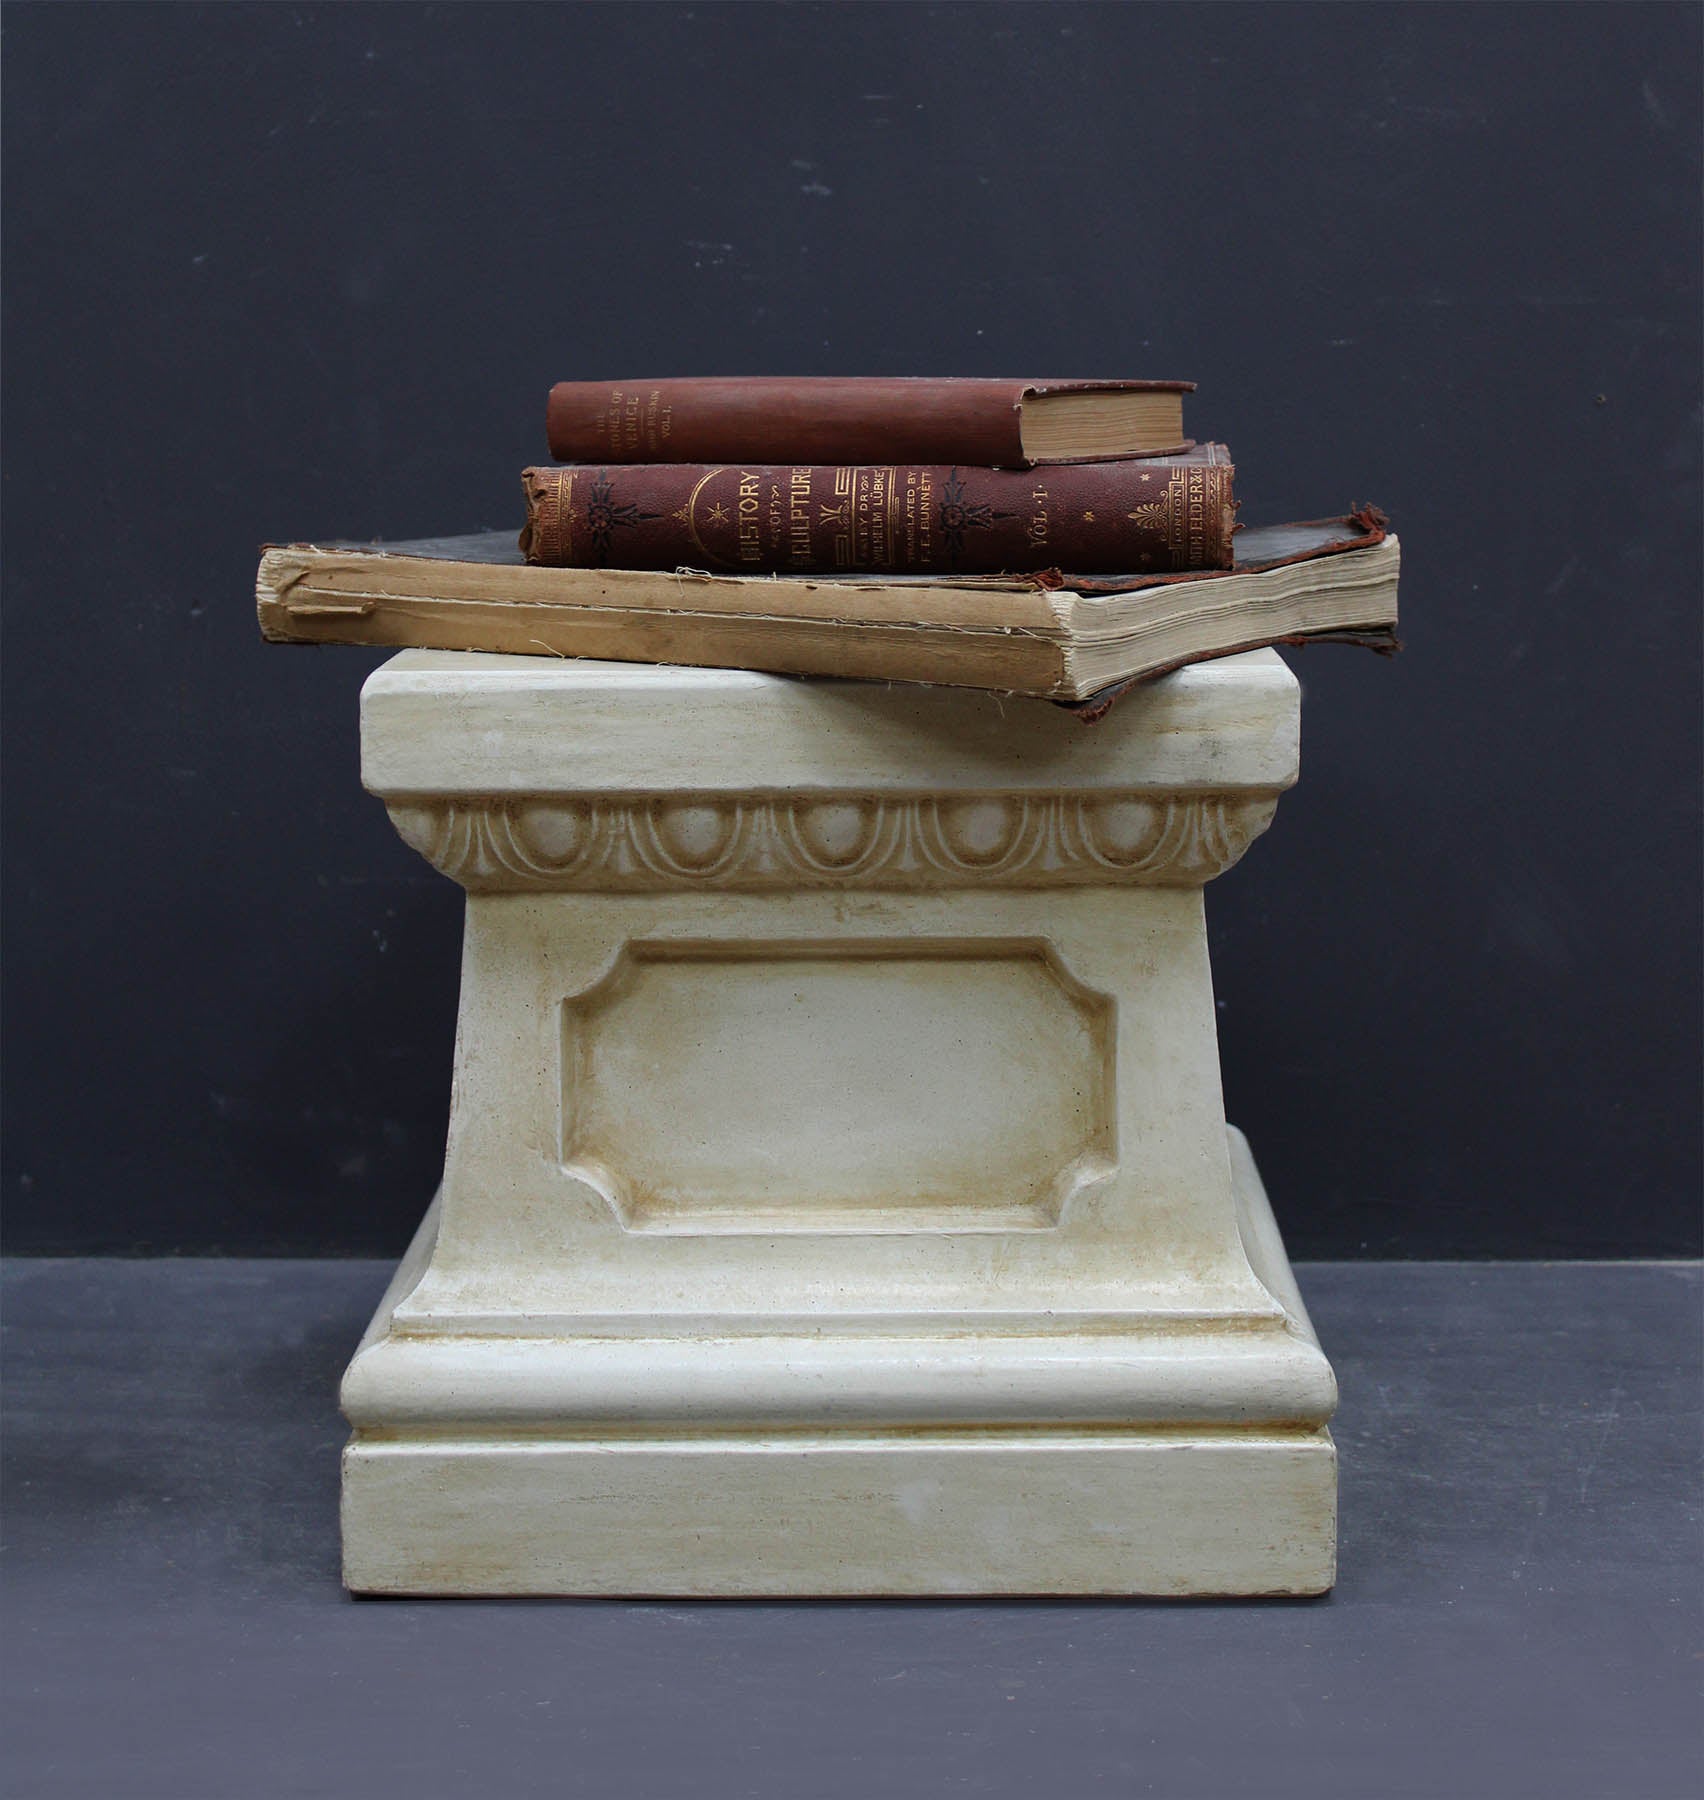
x: 1147, y: 515
x: 863, y: 419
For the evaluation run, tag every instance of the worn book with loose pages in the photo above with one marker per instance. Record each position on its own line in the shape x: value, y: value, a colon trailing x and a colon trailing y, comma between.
x: 1050, y: 634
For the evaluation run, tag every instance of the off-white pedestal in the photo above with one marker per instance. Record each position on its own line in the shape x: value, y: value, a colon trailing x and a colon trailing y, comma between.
x: 838, y: 1197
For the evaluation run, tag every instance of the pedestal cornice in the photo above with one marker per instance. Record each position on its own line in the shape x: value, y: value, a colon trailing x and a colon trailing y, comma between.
x: 443, y: 723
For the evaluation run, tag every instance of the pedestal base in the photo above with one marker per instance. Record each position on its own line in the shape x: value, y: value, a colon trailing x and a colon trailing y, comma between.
x: 976, y: 1512
x: 1171, y: 1507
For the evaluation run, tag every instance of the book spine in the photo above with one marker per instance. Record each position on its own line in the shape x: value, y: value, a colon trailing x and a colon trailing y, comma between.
x: 918, y: 519
x: 808, y: 419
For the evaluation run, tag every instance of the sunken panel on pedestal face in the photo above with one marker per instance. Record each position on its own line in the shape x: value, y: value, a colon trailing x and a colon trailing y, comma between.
x: 837, y: 1085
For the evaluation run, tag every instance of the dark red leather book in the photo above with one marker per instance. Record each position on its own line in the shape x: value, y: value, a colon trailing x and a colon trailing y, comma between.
x: 1129, y: 517
x: 863, y: 419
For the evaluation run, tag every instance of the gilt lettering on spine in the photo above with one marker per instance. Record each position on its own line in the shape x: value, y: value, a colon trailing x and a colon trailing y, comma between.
x: 1149, y: 515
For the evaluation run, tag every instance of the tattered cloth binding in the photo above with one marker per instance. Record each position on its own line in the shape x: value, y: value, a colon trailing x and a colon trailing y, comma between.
x: 1255, y: 550
x: 1077, y: 639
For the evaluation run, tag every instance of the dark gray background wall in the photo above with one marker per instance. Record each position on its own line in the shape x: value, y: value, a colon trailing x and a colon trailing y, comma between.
x: 285, y: 271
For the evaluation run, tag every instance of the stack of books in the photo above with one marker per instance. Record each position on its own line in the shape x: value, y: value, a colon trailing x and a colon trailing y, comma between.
x: 1053, y: 538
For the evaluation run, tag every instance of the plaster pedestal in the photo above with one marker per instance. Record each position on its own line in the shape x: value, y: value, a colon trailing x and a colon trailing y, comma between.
x: 838, y: 1197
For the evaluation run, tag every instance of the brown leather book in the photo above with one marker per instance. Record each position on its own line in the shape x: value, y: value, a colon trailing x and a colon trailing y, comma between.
x: 864, y: 419
x: 1133, y: 517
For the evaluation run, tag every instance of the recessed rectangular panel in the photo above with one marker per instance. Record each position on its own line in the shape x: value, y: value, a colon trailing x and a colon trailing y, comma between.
x: 838, y: 1086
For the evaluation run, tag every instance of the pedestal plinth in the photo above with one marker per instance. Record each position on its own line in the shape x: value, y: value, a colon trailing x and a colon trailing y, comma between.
x: 838, y: 1197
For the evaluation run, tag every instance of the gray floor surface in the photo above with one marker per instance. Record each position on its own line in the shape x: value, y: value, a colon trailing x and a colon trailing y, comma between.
x: 1518, y: 1609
